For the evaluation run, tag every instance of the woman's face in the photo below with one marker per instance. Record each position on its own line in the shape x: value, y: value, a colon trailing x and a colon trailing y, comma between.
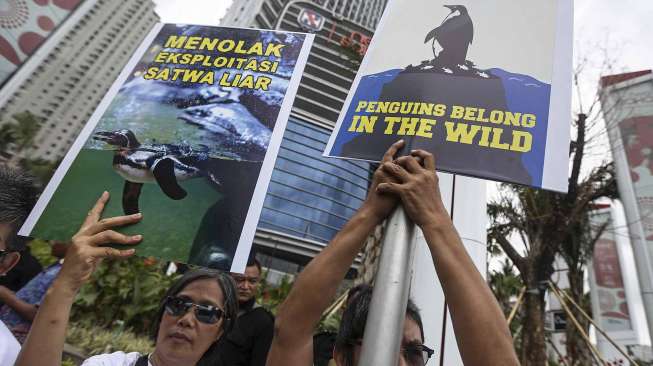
x: 184, y: 337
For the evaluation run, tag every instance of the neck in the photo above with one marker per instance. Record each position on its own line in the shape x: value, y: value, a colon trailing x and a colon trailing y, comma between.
x: 247, y: 305
x: 157, y: 358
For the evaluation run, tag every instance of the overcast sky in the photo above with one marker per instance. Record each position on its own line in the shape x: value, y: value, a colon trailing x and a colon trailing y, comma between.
x: 622, y: 26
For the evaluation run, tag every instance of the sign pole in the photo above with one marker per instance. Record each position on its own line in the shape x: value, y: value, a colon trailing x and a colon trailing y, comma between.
x: 385, y: 321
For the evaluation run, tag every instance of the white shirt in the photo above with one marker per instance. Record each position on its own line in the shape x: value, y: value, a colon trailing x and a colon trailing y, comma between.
x: 114, y: 359
x: 9, y: 346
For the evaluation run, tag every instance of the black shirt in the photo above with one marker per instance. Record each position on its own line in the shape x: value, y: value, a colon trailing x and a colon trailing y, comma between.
x: 26, y: 269
x: 249, y: 341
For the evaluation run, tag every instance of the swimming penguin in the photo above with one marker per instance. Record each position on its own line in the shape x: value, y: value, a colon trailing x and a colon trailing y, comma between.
x: 165, y: 164
x: 455, y: 34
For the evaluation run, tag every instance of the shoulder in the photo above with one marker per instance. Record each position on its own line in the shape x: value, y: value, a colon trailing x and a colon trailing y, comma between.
x: 9, y: 347
x: 262, y: 313
x: 113, y: 359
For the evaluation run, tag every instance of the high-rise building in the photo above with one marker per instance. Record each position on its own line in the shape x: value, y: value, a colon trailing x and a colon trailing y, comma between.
x: 311, y: 197
x: 627, y: 103
x: 62, y: 83
x: 24, y: 26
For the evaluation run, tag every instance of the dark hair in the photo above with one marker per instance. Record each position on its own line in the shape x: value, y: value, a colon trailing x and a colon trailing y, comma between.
x: 251, y: 261
x: 352, y: 325
x: 17, y: 198
x: 228, y: 289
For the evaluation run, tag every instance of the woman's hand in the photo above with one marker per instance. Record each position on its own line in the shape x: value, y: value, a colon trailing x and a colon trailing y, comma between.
x: 86, y: 250
x: 416, y: 183
x: 378, y: 203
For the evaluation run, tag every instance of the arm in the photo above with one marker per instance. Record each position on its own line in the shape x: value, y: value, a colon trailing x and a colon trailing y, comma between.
x: 316, y: 286
x: 44, y: 344
x: 481, y: 330
x: 25, y: 310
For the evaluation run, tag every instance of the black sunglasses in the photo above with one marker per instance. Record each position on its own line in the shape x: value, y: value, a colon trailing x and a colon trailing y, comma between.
x: 414, y: 354
x: 178, y: 306
x: 417, y: 354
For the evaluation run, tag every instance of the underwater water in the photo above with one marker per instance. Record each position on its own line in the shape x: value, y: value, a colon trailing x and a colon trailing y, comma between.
x: 168, y: 227
x: 157, y: 122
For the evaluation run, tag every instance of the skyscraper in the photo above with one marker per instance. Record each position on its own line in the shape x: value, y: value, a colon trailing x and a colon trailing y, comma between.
x: 62, y: 83
x: 311, y: 197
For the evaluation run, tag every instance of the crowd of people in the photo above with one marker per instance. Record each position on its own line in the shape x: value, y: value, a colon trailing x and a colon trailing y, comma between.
x: 210, y: 317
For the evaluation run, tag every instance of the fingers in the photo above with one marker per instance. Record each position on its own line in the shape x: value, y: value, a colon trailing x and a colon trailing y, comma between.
x: 409, y: 163
x: 396, y: 171
x: 427, y: 157
x: 107, y: 252
x: 113, y: 237
x: 392, y: 188
x: 112, y: 222
x: 95, y: 213
x: 392, y: 151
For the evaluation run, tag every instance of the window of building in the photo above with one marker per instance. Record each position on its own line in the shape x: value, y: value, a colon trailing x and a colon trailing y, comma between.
x: 311, y: 196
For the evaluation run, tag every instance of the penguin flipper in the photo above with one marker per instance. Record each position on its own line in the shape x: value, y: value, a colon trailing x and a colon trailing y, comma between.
x: 130, y: 193
x: 164, y: 173
x: 431, y: 35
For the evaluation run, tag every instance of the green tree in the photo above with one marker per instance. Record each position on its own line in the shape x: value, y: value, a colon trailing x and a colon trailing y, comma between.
x: 505, y: 285
x: 547, y: 223
x: 25, y: 129
x: 6, y: 136
x: 41, y: 169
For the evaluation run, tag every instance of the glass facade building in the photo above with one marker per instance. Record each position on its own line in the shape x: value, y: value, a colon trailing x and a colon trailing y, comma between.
x: 311, y: 196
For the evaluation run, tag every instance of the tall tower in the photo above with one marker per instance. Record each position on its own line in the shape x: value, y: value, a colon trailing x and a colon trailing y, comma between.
x: 310, y: 197
x: 62, y: 83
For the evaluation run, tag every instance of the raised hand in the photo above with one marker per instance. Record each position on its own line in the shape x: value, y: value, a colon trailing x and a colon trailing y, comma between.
x: 414, y: 180
x: 86, y: 250
x: 381, y: 204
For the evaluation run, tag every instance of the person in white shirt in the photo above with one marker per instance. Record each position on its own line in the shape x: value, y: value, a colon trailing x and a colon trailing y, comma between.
x: 17, y: 197
x: 195, y: 312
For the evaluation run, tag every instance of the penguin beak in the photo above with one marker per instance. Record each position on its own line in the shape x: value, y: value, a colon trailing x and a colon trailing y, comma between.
x: 108, y: 137
x: 451, y: 7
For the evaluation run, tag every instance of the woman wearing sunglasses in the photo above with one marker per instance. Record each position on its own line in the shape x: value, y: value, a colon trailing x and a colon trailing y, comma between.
x: 195, y: 312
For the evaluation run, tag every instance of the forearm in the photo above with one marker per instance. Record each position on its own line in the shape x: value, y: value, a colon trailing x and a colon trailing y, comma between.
x: 481, y: 330
x: 315, y: 289
x: 44, y: 344
x: 25, y: 310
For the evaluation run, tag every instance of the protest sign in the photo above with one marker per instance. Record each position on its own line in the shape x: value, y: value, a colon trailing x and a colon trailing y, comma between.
x: 484, y: 85
x: 187, y: 135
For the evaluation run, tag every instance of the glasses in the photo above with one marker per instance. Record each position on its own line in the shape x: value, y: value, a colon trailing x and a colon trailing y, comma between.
x: 414, y: 354
x: 178, y: 306
x: 417, y: 354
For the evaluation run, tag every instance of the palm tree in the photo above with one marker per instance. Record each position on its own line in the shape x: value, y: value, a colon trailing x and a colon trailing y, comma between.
x: 25, y: 129
x: 6, y: 136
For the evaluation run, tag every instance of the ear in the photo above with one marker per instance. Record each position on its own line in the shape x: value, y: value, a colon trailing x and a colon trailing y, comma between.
x: 8, y: 262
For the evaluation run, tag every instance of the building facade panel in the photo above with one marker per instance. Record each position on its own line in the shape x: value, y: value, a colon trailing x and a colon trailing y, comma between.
x: 311, y: 196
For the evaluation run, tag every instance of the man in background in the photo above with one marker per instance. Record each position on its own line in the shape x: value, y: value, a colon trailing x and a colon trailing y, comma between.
x: 17, y: 197
x: 23, y: 272
x: 20, y: 307
x: 249, y: 341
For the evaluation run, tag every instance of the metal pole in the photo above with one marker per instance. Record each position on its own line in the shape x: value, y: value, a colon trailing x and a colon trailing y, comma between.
x: 385, y: 321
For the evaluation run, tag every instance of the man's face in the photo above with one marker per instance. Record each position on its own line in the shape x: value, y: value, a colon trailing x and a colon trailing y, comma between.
x: 247, y: 283
x: 7, y: 260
